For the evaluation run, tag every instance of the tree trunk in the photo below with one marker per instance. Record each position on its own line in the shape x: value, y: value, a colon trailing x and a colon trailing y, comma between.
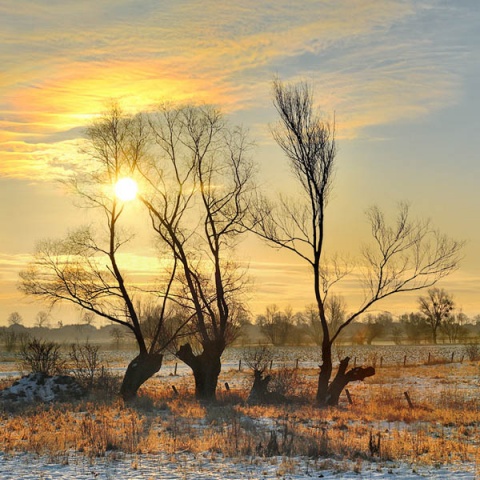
x: 140, y: 369
x: 343, y: 378
x: 206, y: 368
x: 325, y: 373
x: 259, y: 392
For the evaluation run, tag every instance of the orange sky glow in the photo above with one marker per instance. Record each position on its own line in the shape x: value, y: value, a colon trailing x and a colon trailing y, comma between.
x: 400, y: 78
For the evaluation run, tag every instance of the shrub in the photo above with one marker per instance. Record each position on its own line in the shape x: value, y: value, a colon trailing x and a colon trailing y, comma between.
x: 91, y: 373
x: 473, y: 352
x: 285, y: 382
x: 86, y: 364
x: 40, y: 356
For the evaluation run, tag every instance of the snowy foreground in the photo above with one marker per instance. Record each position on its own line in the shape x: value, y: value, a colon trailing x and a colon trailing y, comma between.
x: 189, y: 466
x: 444, y: 421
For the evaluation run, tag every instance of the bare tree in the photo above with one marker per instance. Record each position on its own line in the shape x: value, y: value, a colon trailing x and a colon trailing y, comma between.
x: 406, y: 256
x: 415, y: 327
x: 42, y: 319
x: 258, y: 360
x: 84, y: 268
x: 117, y: 335
x: 454, y: 327
x: 377, y: 326
x: 312, y: 324
x: 198, y: 178
x: 88, y: 318
x: 335, y: 311
x: 15, y: 319
x: 275, y: 325
x: 437, y: 306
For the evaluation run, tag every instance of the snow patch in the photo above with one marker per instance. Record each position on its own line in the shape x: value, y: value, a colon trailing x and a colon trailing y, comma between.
x: 39, y: 387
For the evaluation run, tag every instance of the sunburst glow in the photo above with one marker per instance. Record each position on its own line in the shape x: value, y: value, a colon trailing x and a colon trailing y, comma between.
x: 126, y: 189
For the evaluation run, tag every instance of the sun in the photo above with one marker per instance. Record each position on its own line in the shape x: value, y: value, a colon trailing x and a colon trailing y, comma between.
x: 126, y: 189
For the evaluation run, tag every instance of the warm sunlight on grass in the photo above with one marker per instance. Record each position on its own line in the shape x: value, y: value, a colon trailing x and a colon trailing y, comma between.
x: 126, y: 189
x: 440, y: 430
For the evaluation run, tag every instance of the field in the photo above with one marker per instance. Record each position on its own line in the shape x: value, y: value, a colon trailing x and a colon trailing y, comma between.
x: 435, y: 433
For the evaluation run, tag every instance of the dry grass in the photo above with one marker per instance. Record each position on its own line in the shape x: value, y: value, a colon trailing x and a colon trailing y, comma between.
x: 442, y: 428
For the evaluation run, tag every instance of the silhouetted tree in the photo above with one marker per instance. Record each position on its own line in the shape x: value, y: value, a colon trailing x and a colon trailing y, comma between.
x: 377, y: 325
x: 258, y: 360
x: 198, y: 177
x: 277, y: 326
x: 405, y: 256
x: 88, y: 318
x: 454, y: 327
x: 415, y: 327
x: 335, y: 311
x: 84, y: 268
x: 15, y: 319
x: 312, y: 324
x: 396, y: 332
x: 42, y: 319
x: 117, y: 335
x: 436, y: 306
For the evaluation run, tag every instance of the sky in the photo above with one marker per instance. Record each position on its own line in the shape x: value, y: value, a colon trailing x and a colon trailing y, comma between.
x: 400, y: 77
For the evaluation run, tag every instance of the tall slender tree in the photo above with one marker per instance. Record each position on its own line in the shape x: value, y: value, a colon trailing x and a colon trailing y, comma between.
x: 406, y: 256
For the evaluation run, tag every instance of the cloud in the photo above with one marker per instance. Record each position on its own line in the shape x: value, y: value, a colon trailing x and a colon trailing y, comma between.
x: 63, y: 61
x: 10, y: 265
x: 39, y: 161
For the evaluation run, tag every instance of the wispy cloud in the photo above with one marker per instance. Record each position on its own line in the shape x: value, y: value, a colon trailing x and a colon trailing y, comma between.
x: 39, y: 161
x: 62, y: 61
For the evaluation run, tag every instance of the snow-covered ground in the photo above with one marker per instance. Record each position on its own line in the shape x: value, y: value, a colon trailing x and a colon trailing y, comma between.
x: 424, y: 383
x: 203, y: 467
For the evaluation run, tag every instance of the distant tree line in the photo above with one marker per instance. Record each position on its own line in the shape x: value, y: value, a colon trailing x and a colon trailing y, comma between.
x: 15, y: 336
x: 436, y: 320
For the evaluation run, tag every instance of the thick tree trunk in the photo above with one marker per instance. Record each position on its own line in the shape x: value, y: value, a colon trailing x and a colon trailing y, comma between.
x: 343, y: 378
x: 206, y: 368
x: 140, y: 369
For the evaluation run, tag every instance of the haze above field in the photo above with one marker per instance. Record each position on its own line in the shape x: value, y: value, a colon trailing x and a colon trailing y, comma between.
x: 401, y: 78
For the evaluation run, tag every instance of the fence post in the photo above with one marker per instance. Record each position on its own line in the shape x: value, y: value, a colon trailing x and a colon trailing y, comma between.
x: 296, y: 365
x: 429, y: 356
x: 175, y: 371
x: 240, y: 365
x: 381, y: 362
x: 405, y: 361
x: 175, y: 391
x: 453, y: 354
x: 349, y: 398
x: 354, y: 362
x: 407, y: 396
x: 271, y: 364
